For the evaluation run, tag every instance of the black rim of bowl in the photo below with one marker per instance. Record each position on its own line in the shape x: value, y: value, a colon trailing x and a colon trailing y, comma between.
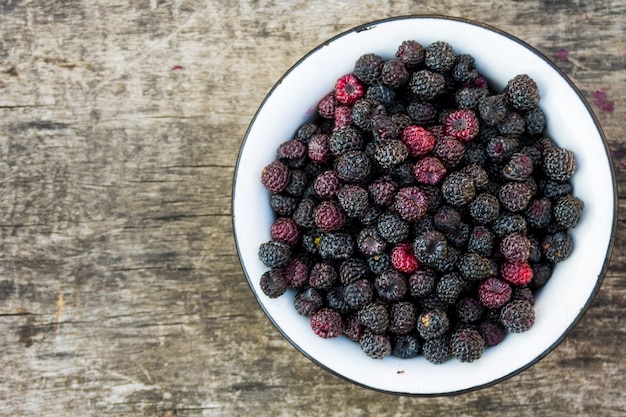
x: 607, y: 258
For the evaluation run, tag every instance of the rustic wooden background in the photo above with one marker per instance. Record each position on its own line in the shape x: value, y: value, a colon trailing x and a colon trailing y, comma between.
x: 120, y: 287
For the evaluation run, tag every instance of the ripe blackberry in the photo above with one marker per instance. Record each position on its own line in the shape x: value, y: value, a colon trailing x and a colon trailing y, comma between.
x: 305, y: 131
x: 368, y: 68
x: 469, y: 310
x: 296, y: 273
x: 448, y: 262
x: 327, y: 323
x: 464, y: 69
x: 411, y: 53
x: 493, y: 293
x: 458, y: 189
x: 348, y: 89
x: 523, y: 293
x: 518, y: 168
x: 515, y: 196
x: 449, y: 150
x: 462, y: 124
x: 429, y: 170
x: 467, y: 345
x: 402, y: 120
x: 430, y: 247
x: 426, y: 85
x: 437, y: 350
x: 375, y: 345
x: 284, y: 229
x: 515, y: 247
x: 522, y: 92
x: 383, y: 190
x: 391, y: 285
x: 322, y: 276
x: 394, y: 73
x: 310, y: 241
x: 304, y: 213
x: 292, y: 153
x: 418, y: 140
x: 392, y: 227
x: 567, y: 211
x: 326, y: 106
x: 379, y: 263
x: 535, y: 121
x: 422, y: 113
x: 358, y: 293
x: 283, y: 205
x: 308, y: 301
x: 492, y: 332
x: 484, y: 209
x: 328, y: 216
x: 469, y: 97
x: 390, y: 152
x: 558, y: 246
x: 335, y: 246
x: 517, y: 316
x: 410, y: 203
x: 370, y: 242
x: 439, y: 56
x: 422, y: 282
x: 336, y: 301
x: 460, y: 236
x: 353, y: 199
x: 273, y: 283
x: 432, y: 324
x: 553, y: 189
x: 481, y: 241
x: 542, y: 271
x: 327, y: 184
x: 500, y: 148
x: 535, y: 155
x: 345, y: 139
x: 352, y: 329
x: 403, y: 259
x: 492, y: 109
x: 402, y: 317
x: 353, y: 166
x: 509, y: 223
x: 447, y: 219
x: 381, y: 94
x: 352, y: 269
x: 403, y: 173
x: 275, y: 177
x: 274, y: 254
x: 474, y: 267
x: 370, y: 215
x: 477, y: 173
x: 559, y: 164
x: 364, y: 111
x: 450, y: 287
x: 374, y: 317
x: 535, y: 249
x: 406, y: 346
x: 298, y: 182
x: 512, y: 125
x: 517, y: 273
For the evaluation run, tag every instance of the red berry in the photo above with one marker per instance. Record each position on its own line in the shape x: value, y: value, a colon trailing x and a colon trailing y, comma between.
x: 494, y: 293
x: 429, y: 170
x: 328, y: 216
x: 419, y: 140
x: 402, y: 258
x: 318, y: 148
x: 285, y: 229
x: 348, y: 89
x: 462, y: 124
x: 343, y: 117
x: 411, y: 203
x: 275, y: 177
x: 327, y: 323
x: 296, y: 273
x: 517, y: 273
x: 326, y: 106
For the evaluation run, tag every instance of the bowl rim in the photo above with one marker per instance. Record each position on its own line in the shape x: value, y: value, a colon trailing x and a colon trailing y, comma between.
x: 576, y: 90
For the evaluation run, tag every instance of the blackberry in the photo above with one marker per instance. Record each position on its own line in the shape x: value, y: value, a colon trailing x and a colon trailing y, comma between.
x: 433, y: 196
x: 426, y: 85
x: 512, y: 125
x: 381, y: 94
x: 370, y: 242
x: 370, y: 215
x: 410, y: 203
x: 328, y: 216
x: 327, y: 323
x: 474, y: 267
x: 464, y: 70
x: 348, y: 89
x: 460, y: 236
x: 493, y: 293
x: 492, y: 332
x: 292, y: 153
x: 364, y: 111
x: 467, y: 345
x: 343, y: 117
x: 392, y: 227
x: 422, y: 113
x: 462, y: 124
x: 518, y: 168
x: 559, y: 164
x: 469, y: 310
x: 481, y: 241
x: 394, y: 73
x: 418, y: 140
x: 298, y: 181
x: 449, y: 150
x: 390, y: 152
x: 406, y: 346
x: 522, y: 92
x: 273, y: 283
x: 403, y: 259
x: 553, y: 189
x: 401, y: 120
x: 542, y: 271
x: 391, y: 285
x: 296, y: 273
x: 437, y: 350
x: 344, y: 140
x: 447, y: 219
x: 353, y: 199
x: 353, y: 166
x: 492, y: 109
x: 358, y: 293
x: 535, y: 121
x: 422, y: 225
x: 304, y: 214
x: 478, y: 175
x: 500, y: 148
x: 485, y: 208
x: 432, y: 324
x: 352, y: 329
x: 376, y: 346
x: 429, y: 170
x: 402, y: 317
x: 509, y: 223
x: 450, y: 287
x: 368, y: 68
x: 523, y: 293
x: 327, y: 184
x: 379, y: 263
x: 422, y: 282
x: 411, y: 53
x: 515, y: 196
x: 374, y: 317
x: 403, y: 173
x: 322, y: 276
x: 383, y: 190
x: 283, y: 205
x: 567, y: 211
x: 274, y: 254
x: 335, y: 246
x: 458, y: 189
x: 352, y: 269
x: 535, y: 249
x: 475, y: 155
x: 558, y: 246
x: 308, y: 301
x: 275, y: 177
x: 449, y: 261
x: 439, y: 56
x: 515, y: 247
x: 430, y: 247
x: 310, y: 241
x: 326, y: 106
x: 305, y: 131
x: 284, y: 229
x: 517, y: 316
x: 535, y: 155
x: 469, y: 97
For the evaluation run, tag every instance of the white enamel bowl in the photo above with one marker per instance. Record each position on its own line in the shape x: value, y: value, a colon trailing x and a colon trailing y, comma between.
x: 570, y: 122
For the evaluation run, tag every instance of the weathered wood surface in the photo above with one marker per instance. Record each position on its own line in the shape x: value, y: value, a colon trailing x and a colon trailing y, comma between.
x: 120, y: 287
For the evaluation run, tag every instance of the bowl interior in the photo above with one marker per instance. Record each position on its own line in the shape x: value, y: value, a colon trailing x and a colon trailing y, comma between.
x: 499, y: 57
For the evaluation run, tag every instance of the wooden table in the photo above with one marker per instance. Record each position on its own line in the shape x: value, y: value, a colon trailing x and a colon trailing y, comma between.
x: 121, y: 291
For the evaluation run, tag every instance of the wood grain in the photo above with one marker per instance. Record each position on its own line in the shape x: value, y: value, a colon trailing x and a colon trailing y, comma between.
x: 120, y: 287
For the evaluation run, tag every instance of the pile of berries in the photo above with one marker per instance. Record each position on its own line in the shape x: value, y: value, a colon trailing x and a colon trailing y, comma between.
x: 420, y: 210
